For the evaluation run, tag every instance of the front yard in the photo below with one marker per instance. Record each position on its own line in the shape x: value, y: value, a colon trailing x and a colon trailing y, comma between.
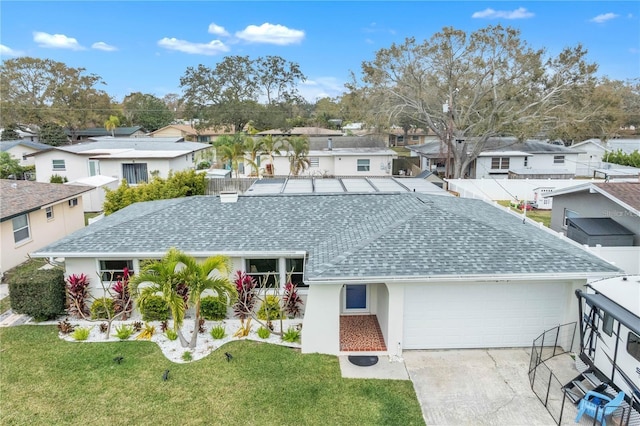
x: 45, y: 380
x: 543, y: 216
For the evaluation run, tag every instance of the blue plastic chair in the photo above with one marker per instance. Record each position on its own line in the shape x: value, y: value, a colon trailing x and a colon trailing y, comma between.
x: 598, y: 406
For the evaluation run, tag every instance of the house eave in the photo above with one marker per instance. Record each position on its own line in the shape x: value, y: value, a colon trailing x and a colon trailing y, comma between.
x: 471, y: 277
x: 160, y: 254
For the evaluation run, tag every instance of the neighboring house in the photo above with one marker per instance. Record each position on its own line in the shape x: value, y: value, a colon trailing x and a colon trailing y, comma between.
x: 605, y: 214
x: 190, y: 133
x: 86, y: 134
x: 135, y: 160
x: 337, y: 162
x: 33, y: 215
x: 93, y: 201
x: 506, y: 158
x: 590, y: 156
x: 20, y: 150
x: 301, y: 131
x: 435, y: 272
x: 397, y: 137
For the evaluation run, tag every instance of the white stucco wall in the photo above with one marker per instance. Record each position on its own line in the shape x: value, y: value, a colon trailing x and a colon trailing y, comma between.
x: 321, y: 327
x: 76, y: 166
x: 19, y: 151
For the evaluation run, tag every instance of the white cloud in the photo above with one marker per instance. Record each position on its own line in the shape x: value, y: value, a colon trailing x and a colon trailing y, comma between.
x: 217, y: 30
x: 101, y: 45
x: 272, y: 34
x: 520, y: 13
x: 212, y: 48
x: 7, y: 51
x: 56, y: 41
x: 603, y: 18
x: 321, y: 87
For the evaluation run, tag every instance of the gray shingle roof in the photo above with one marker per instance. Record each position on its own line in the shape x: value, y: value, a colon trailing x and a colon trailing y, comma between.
x: 353, y: 235
x: 7, y: 145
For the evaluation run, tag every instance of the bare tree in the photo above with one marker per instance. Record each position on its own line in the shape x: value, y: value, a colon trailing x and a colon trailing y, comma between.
x: 469, y: 88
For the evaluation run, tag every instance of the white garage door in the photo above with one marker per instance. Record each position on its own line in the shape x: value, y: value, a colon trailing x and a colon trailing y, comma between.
x: 481, y: 315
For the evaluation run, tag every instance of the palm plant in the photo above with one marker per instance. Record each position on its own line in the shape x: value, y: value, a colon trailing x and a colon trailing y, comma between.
x: 253, y: 148
x: 298, y: 156
x: 212, y: 274
x: 162, y: 277
x: 232, y: 149
x: 111, y: 124
x: 270, y: 147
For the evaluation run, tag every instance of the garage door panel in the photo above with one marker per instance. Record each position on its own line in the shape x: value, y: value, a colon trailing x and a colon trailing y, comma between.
x: 477, y: 315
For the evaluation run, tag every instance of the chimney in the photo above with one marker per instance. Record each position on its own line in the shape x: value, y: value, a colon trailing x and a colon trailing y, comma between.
x: 329, y: 144
x: 228, y: 196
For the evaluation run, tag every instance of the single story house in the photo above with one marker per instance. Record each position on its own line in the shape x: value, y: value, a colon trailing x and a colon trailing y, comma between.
x: 614, y: 208
x: 190, y: 133
x: 20, y: 150
x: 134, y: 159
x: 80, y: 135
x: 505, y: 158
x: 433, y: 271
x: 337, y: 162
x: 33, y: 215
x: 301, y: 131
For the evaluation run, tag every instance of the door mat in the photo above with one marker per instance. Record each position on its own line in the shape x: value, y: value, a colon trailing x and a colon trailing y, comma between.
x: 363, y: 360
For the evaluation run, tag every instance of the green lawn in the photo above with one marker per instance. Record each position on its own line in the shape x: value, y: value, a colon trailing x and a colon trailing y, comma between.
x: 543, y: 216
x: 45, y: 380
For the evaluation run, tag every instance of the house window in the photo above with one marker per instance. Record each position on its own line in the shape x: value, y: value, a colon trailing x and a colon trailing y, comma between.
x: 204, y: 139
x: 135, y: 173
x: 415, y: 138
x: 58, y: 164
x: 73, y: 202
x: 94, y: 167
x: 314, y: 162
x: 364, y: 165
x: 499, y: 163
x: 112, y: 270
x: 21, y: 228
x: 568, y: 214
x: 49, y: 212
x: 400, y: 139
x: 263, y: 271
x: 633, y: 345
x: 295, y: 271
x: 558, y: 159
x: 526, y: 161
x: 607, y: 324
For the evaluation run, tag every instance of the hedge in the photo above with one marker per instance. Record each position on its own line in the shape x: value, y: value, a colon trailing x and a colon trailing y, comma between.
x: 39, y: 294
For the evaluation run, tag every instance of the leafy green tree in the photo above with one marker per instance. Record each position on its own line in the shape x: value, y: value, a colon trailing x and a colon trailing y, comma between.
x: 37, y: 91
x: 212, y: 274
x: 146, y: 110
x: 468, y: 88
x: 10, y: 133
x: 52, y: 134
x: 298, y: 154
x: 9, y: 166
x: 228, y: 94
x: 111, y: 124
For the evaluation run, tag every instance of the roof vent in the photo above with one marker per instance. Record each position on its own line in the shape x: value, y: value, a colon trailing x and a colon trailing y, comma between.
x: 228, y: 197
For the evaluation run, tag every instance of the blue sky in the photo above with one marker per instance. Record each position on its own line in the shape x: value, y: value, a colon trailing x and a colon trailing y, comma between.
x: 146, y: 46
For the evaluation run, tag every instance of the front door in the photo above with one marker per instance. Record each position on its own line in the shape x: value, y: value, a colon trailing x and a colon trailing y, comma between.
x: 356, y: 298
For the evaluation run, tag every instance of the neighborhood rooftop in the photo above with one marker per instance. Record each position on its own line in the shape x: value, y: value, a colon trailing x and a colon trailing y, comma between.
x: 108, y: 146
x: 343, y: 184
x: 362, y: 236
x: 22, y: 196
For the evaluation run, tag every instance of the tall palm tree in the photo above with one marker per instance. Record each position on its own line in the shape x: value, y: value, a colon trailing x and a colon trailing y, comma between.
x: 298, y: 155
x: 111, y: 124
x: 253, y: 148
x: 211, y: 274
x: 233, y: 153
x: 162, y: 278
x: 270, y: 147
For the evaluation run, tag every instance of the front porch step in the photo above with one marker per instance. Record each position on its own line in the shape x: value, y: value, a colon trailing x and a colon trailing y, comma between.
x: 580, y: 386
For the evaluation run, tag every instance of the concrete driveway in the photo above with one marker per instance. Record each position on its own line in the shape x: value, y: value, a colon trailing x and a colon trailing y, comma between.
x: 475, y: 387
